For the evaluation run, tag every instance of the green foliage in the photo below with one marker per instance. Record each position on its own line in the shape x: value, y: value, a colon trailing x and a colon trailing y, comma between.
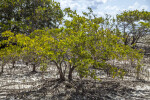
x: 7, y: 34
x: 81, y: 43
x: 132, y: 31
x: 44, y: 67
x: 25, y: 16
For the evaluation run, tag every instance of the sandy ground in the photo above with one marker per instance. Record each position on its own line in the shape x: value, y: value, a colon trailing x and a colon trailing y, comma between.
x: 20, y: 84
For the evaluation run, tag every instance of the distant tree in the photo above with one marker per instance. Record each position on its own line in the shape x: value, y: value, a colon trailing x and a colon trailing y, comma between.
x: 25, y: 16
x: 10, y: 53
x: 131, y: 24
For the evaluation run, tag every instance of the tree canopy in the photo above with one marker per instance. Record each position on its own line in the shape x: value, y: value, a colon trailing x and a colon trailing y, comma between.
x: 81, y: 45
x: 25, y: 16
x: 133, y: 25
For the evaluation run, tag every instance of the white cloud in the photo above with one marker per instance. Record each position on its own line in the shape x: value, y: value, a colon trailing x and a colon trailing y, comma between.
x: 111, y: 10
x: 81, y: 5
x: 103, y: 1
x: 136, y: 5
x: 144, y: 7
x: 102, y: 7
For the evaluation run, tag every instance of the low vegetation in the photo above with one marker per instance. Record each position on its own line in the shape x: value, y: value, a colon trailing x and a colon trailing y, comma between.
x: 80, y: 44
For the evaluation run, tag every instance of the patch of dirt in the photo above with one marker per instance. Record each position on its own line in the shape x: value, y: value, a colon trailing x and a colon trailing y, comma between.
x: 85, y: 90
x: 21, y: 84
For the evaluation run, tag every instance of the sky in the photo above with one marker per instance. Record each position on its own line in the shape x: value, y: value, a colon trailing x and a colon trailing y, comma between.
x: 102, y: 7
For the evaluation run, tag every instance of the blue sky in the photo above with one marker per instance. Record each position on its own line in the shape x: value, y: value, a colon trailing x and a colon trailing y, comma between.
x: 102, y: 7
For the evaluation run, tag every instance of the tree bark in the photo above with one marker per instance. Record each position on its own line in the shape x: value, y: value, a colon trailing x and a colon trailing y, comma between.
x: 34, y: 68
x: 70, y: 72
x: 138, y: 73
x: 13, y: 64
x: 61, y: 74
x: 62, y: 77
x: 26, y: 63
x: 126, y: 41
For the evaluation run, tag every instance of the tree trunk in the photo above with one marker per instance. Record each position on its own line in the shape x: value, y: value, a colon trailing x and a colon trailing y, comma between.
x: 125, y: 37
x: 27, y: 64
x: 70, y: 73
x: 34, y: 68
x: 62, y: 77
x: 61, y: 74
x: 138, y: 73
x: 126, y: 41
x: 13, y: 64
